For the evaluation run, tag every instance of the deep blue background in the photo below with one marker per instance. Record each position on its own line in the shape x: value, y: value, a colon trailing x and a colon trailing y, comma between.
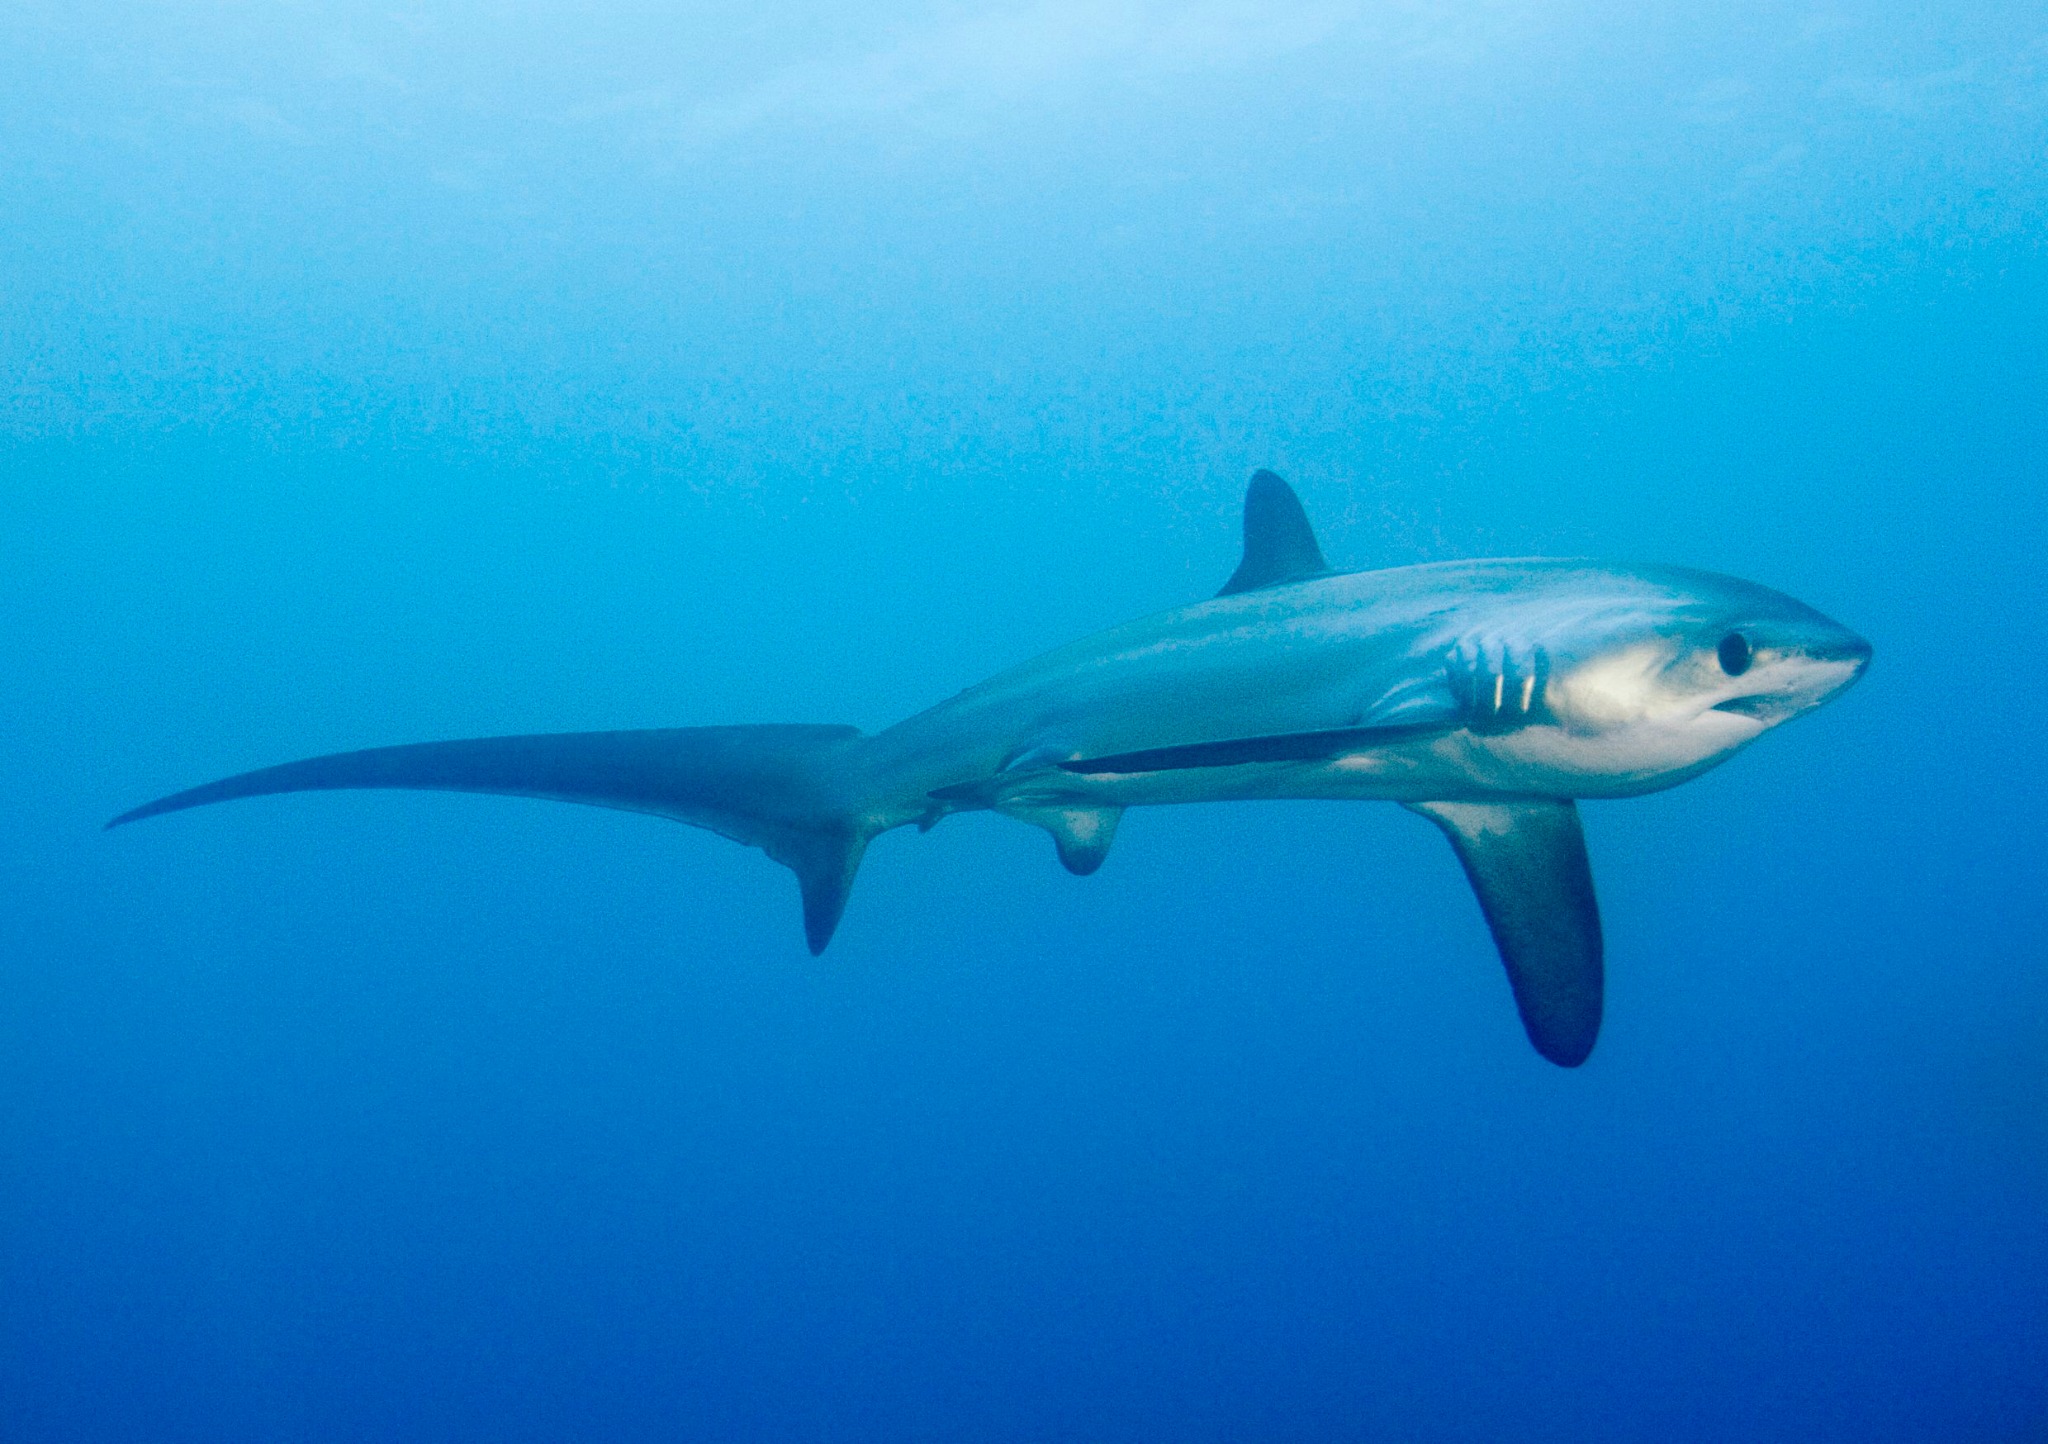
x: 381, y: 376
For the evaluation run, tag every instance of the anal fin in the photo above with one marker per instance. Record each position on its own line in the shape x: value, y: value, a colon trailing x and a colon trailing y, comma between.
x: 1527, y: 862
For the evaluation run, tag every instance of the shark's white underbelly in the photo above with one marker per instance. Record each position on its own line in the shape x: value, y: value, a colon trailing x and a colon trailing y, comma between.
x: 1542, y: 761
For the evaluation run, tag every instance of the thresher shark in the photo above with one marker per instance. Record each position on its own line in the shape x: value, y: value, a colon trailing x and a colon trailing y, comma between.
x: 1485, y: 695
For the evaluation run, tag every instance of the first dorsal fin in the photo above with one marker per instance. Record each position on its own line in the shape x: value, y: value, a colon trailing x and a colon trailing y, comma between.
x: 1279, y: 544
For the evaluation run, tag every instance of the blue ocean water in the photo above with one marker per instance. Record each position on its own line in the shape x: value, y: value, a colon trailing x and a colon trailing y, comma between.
x: 384, y: 374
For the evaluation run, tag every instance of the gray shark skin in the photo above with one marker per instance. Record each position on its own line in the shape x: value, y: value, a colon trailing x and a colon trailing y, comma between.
x: 1484, y: 695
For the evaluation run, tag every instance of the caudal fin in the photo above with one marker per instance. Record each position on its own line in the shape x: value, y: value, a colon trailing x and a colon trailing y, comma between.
x: 779, y: 788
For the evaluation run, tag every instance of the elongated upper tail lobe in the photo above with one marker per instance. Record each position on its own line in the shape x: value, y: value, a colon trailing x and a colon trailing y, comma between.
x: 782, y: 789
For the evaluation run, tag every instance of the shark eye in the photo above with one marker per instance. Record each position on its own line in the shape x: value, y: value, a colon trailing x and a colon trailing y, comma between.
x: 1734, y: 654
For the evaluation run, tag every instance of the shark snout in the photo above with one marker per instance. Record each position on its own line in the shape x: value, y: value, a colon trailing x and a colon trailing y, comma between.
x: 1798, y: 672
x: 1851, y: 649
x: 1843, y: 657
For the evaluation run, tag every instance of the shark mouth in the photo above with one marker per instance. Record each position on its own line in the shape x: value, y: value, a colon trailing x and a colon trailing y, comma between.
x: 1760, y: 706
x: 1817, y: 678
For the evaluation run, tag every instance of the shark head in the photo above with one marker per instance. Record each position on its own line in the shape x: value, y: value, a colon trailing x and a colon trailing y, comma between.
x: 1664, y: 673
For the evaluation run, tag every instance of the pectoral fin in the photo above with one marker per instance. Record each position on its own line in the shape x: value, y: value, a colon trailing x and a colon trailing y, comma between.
x: 1527, y: 862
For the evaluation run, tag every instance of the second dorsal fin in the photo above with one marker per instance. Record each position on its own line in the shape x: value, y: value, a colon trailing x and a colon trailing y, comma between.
x: 1279, y: 544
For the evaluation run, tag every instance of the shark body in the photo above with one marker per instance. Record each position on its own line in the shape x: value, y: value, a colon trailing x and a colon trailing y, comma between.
x: 1486, y: 695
